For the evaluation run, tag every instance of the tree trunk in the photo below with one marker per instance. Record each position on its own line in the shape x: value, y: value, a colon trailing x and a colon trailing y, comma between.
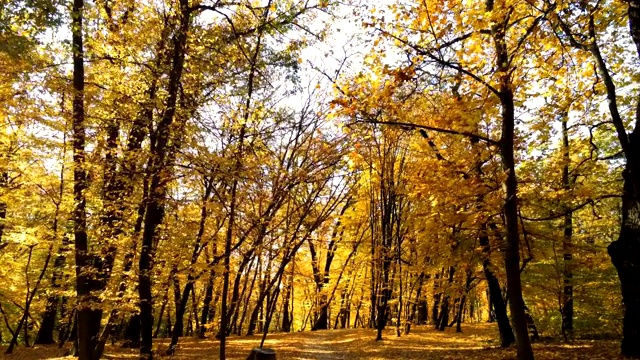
x: 47, y: 326
x: 437, y: 295
x: 625, y: 251
x: 286, y: 322
x: 178, y: 326
x: 165, y: 300
x: 154, y: 213
x: 208, y: 296
x: 512, y: 251
x: 459, y: 316
x: 245, y: 306
x: 496, y: 302
x: 507, y: 139
x: 30, y: 295
x: 88, y: 317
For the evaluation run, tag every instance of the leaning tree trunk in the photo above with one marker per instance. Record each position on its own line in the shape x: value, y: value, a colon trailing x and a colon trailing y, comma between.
x: 154, y: 213
x: 495, y: 293
x: 625, y: 251
x: 208, y: 296
x: 45, y: 332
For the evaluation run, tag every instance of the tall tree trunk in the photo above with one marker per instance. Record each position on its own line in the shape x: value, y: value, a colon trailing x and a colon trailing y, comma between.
x: 386, y: 296
x: 262, y: 289
x: 154, y: 213
x: 181, y: 307
x: 224, y: 323
x: 88, y: 317
x: 512, y: 251
x: 507, y: 139
x: 322, y: 278
x: 625, y: 251
x: 237, y: 296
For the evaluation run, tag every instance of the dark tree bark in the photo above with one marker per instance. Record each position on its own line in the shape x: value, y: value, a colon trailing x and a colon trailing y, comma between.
x: 443, y: 321
x: 625, y: 251
x: 154, y: 213
x: 237, y: 295
x: 29, y: 299
x: 48, y: 324
x: 459, y: 314
x: 208, y: 296
x: 322, y: 278
x: 437, y: 297
x: 66, y: 325
x: 286, y: 321
x: 248, y: 298
x: 497, y: 305
x: 88, y: 317
x: 262, y: 292
x: 181, y: 305
x: 392, y: 161
x: 132, y: 332
x: 165, y: 301
x: 507, y: 138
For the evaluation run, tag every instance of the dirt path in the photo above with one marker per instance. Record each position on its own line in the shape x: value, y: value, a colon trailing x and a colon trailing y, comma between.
x: 476, y: 342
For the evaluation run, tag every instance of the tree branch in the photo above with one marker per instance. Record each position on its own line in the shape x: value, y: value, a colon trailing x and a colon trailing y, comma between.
x: 413, y: 126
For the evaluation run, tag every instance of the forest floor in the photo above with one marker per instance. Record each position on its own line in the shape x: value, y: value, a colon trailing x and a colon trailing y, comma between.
x: 475, y: 342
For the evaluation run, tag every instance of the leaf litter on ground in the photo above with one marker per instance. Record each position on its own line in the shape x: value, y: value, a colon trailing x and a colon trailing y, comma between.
x: 475, y: 342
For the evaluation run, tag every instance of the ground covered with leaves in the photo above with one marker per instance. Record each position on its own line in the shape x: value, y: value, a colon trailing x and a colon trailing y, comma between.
x: 475, y: 342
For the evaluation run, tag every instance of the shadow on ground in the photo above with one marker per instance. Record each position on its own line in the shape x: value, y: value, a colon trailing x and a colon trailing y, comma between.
x: 476, y: 342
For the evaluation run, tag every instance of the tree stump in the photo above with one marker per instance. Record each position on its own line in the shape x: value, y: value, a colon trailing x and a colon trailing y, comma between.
x: 262, y: 354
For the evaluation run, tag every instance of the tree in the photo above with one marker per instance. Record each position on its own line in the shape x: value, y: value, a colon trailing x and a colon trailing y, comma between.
x: 623, y: 251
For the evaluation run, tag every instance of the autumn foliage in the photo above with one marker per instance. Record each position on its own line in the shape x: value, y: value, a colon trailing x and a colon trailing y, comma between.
x: 182, y: 170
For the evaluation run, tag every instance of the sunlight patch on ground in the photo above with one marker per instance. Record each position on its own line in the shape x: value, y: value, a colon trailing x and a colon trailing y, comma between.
x: 476, y: 342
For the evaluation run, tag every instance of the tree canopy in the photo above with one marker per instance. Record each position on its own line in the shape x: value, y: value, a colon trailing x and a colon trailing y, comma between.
x: 221, y: 168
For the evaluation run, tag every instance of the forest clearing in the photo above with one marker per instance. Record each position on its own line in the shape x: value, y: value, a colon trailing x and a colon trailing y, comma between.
x: 477, y: 342
x: 353, y: 178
